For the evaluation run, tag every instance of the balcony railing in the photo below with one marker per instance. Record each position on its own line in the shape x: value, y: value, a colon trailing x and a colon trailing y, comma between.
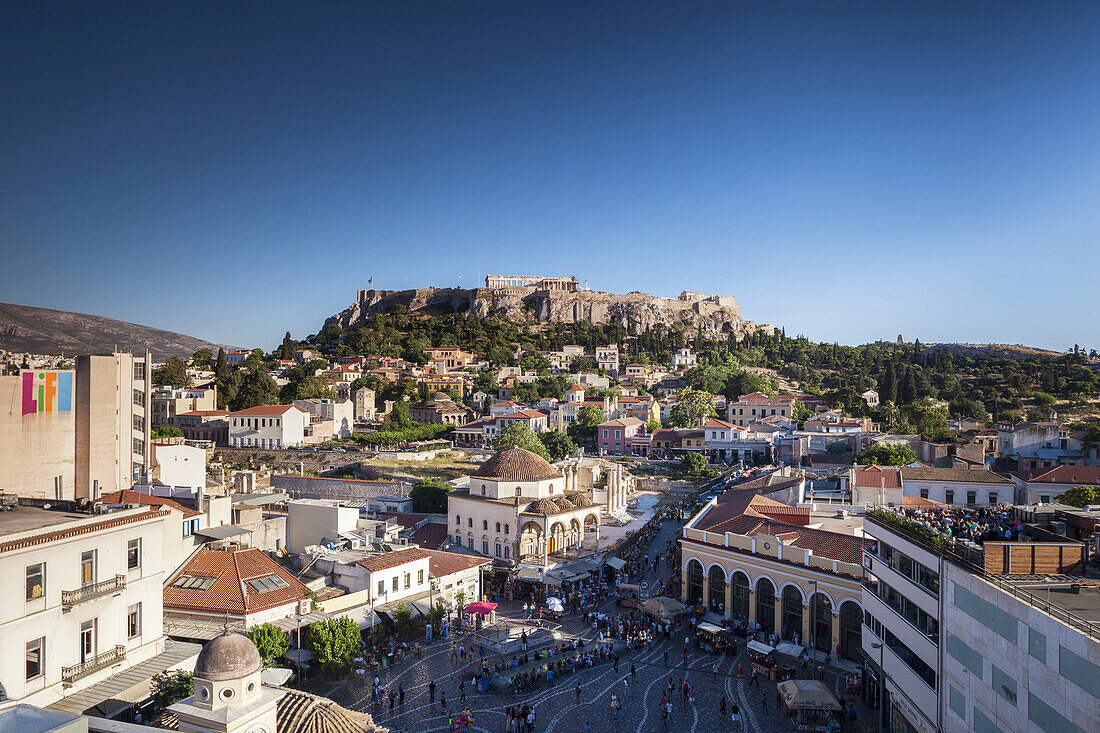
x: 70, y: 598
x: 70, y: 675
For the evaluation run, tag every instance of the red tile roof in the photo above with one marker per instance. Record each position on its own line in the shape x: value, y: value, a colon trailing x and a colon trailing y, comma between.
x: 445, y: 563
x: 270, y: 410
x: 392, y: 559
x: 431, y: 536
x: 232, y: 569
x: 874, y: 477
x: 127, y: 496
x: 1078, y: 475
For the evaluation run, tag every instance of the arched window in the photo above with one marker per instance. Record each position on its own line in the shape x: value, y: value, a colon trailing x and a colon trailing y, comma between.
x: 484, y: 524
x: 470, y: 522
x: 518, y: 491
x: 458, y: 520
x: 498, y: 526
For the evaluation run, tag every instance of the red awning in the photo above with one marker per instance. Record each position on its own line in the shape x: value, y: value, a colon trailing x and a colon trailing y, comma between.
x: 481, y: 608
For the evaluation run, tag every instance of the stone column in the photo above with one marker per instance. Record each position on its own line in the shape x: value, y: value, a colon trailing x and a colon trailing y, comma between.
x: 752, y: 606
x: 777, y: 616
x: 706, y: 590
x: 835, y: 631
x: 729, y: 600
x: 806, y: 628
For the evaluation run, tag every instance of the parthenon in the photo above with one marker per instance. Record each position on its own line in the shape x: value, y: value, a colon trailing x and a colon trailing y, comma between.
x: 535, y: 282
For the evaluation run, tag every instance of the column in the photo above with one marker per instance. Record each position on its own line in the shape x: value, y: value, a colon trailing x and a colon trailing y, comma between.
x: 752, y: 606
x: 729, y: 600
x: 777, y: 617
x: 806, y: 629
x: 835, y: 632
x: 706, y: 590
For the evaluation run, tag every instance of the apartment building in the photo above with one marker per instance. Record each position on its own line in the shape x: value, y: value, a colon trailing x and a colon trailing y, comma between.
x: 340, y: 413
x: 268, y: 426
x: 957, y: 486
x: 75, y: 434
x: 973, y: 634
x: 90, y: 590
x: 170, y: 402
x: 757, y: 405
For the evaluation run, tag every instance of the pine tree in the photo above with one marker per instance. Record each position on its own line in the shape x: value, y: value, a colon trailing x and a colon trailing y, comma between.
x: 908, y: 387
x: 221, y: 368
x: 888, y: 385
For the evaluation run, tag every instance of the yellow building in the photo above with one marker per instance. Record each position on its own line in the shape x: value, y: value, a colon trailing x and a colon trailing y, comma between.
x: 753, y: 559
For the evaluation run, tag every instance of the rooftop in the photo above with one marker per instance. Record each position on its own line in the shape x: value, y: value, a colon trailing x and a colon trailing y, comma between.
x: 29, y: 518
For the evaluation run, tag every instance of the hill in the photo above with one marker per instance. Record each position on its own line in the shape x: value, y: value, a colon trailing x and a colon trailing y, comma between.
x: 46, y: 331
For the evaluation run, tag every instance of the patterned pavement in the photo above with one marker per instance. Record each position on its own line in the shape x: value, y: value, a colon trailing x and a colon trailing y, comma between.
x: 555, y: 706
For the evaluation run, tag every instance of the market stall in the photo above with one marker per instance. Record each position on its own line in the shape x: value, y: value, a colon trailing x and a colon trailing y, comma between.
x: 714, y: 639
x: 486, y: 610
x: 628, y: 595
x: 663, y: 608
x: 811, y: 705
x: 762, y: 657
x: 792, y: 652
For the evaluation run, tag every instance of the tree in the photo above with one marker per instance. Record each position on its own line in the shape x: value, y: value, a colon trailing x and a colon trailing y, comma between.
x: 403, y: 620
x: 888, y: 385
x: 653, y: 426
x: 534, y: 361
x: 429, y: 496
x: 460, y: 600
x: 887, y: 454
x: 257, y: 388
x: 168, y: 431
x: 518, y: 434
x: 800, y: 413
x: 170, y: 687
x: 399, y: 418
x: 1081, y: 496
x: 287, y: 348
x: 558, y: 445
x: 172, y: 373
x: 221, y: 367
x: 271, y: 641
x: 308, y: 387
x: 201, y: 359
x: 694, y: 464
x: 692, y: 407
x: 582, y: 364
x: 333, y: 642
x: 583, y: 429
x: 1043, y: 399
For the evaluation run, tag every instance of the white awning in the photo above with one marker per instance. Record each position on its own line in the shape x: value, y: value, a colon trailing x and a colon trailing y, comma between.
x: 759, y: 648
x: 616, y: 562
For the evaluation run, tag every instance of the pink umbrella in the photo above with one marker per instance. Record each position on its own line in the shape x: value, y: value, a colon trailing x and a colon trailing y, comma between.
x: 482, y: 608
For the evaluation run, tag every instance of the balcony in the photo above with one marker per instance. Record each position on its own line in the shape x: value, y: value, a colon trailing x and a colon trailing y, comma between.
x: 71, y: 598
x: 70, y: 675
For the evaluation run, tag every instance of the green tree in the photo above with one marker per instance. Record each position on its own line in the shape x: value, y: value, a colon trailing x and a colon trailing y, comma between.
x: 333, y: 642
x: 257, y: 388
x: 271, y: 641
x: 534, y: 361
x: 170, y: 687
x: 558, y: 445
x: 221, y: 367
x: 518, y: 434
x: 173, y: 373
x: 399, y: 417
x: 202, y: 358
x: 692, y: 407
x: 1043, y: 399
x: 694, y: 464
x: 429, y: 496
x: 887, y: 454
x: 653, y: 426
x: 1080, y: 496
x: 308, y: 387
x: 800, y: 413
x: 168, y: 431
x: 287, y: 348
x: 403, y: 620
x: 582, y: 364
x: 583, y: 429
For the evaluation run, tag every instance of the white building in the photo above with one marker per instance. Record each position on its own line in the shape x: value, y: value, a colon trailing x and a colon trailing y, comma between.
x: 607, y: 358
x: 341, y: 414
x: 180, y: 465
x: 685, y: 357
x: 309, y: 521
x: 83, y: 598
x: 268, y: 426
x: 957, y: 486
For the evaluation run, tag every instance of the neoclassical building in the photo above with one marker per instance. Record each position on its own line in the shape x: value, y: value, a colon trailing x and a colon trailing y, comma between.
x: 517, y: 507
x: 756, y: 560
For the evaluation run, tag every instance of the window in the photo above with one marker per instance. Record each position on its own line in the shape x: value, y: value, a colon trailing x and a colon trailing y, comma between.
x: 483, y: 489
x: 36, y: 658
x: 139, y: 371
x: 133, y: 621
x: 498, y: 549
x: 924, y: 493
x: 394, y: 584
x: 139, y: 423
x: 36, y: 580
x: 498, y: 527
x: 484, y: 525
x: 139, y: 447
x: 267, y: 583
x: 420, y: 577
x: 618, y: 434
x: 518, y: 491
x: 506, y: 528
x: 948, y: 497
x: 139, y: 397
x: 87, y: 567
x: 469, y: 521
x: 993, y: 498
x: 133, y: 554
x: 381, y: 587
x: 605, y: 434
x: 458, y: 520
x: 87, y: 640
x: 193, y: 582
x: 971, y: 498
x: 470, y: 542
x: 507, y: 552
x: 408, y: 580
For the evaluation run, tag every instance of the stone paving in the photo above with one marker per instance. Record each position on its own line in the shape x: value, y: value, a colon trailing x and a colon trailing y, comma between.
x: 557, y: 710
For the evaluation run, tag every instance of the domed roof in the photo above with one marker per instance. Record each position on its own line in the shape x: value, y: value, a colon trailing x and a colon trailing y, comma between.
x: 580, y: 499
x: 230, y: 656
x: 563, y: 504
x: 517, y: 464
x: 545, y: 507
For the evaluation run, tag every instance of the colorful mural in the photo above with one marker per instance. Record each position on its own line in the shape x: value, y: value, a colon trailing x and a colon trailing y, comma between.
x: 47, y: 392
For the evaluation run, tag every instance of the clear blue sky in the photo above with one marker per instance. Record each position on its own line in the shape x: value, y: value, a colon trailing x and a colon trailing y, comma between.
x: 849, y: 171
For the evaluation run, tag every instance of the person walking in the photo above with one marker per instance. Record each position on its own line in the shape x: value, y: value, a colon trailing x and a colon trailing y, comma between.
x: 735, y: 718
x: 627, y: 693
x: 431, y: 691
x: 633, y: 672
x: 666, y: 657
x: 764, y: 703
x: 461, y: 691
x: 400, y: 694
x: 664, y: 719
x: 714, y: 672
x: 578, y: 693
x: 754, y: 680
x: 442, y: 701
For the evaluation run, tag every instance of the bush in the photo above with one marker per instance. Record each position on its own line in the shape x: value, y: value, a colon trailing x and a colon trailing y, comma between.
x: 429, y: 496
x: 403, y: 620
x: 271, y: 641
x: 694, y: 464
x: 171, y: 687
x: 334, y: 643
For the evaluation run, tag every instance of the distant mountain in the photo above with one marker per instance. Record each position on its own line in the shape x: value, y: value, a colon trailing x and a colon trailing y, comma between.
x: 46, y: 331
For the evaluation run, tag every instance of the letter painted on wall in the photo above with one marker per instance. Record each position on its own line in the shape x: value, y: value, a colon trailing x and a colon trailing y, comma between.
x: 47, y: 392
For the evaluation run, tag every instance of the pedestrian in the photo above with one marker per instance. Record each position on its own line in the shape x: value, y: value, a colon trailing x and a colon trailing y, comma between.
x: 722, y: 706
x: 740, y: 672
x: 461, y: 691
x: 393, y: 698
x: 754, y: 679
x: 666, y: 657
x: 735, y: 718
x: 627, y: 693
x: 431, y: 691
x: 664, y: 719
x: 633, y: 672
x: 764, y: 703
x: 578, y: 691
x: 454, y: 650
x: 400, y: 694
x: 587, y: 727
x: 442, y: 701
x: 668, y: 707
x: 714, y: 672
x: 691, y: 696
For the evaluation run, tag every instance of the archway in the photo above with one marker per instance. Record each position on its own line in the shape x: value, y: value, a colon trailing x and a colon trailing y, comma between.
x: 574, y: 532
x: 592, y: 528
x: 765, y: 603
x: 851, y: 629
x: 741, y: 589
x: 557, y: 538
x: 530, y: 540
x: 821, y: 616
x: 792, y: 612
x: 694, y: 582
x: 717, y: 578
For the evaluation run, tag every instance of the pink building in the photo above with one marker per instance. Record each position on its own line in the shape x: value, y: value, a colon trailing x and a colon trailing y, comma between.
x: 614, y: 436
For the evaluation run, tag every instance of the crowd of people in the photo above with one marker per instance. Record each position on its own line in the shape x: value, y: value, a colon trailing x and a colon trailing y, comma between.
x: 978, y: 524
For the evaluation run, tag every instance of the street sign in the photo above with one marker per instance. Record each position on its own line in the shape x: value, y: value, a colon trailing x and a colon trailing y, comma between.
x: 645, y: 584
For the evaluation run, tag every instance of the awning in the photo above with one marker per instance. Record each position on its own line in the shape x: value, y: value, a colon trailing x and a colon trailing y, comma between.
x: 290, y: 623
x: 298, y: 657
x: 424, y: 607
x: 222, y: 532
x: 528, y: 574
x: 759, y: 648
x: 662, y: 606
x: 133, y: 685
x: 788, y: 649
x: 710, y: 628
x: 807, y: 695
x: 275, y: 676
x: 481, y: 608
x: 616, y: 562
x: 552, y: 580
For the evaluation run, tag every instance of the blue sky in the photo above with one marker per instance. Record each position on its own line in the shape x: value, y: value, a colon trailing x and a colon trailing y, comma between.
x: 850, y: 171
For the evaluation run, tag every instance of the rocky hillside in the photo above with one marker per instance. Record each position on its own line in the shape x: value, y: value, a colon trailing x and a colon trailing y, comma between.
x: 993, y: 351
x: 24, y: 328
x: 599, y: 308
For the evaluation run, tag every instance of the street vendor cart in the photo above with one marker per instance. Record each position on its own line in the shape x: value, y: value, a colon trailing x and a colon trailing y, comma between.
x: 762, y: 657
x: 714, y: 639
x: 811, y: 705
x: 663, y: 608
x: 628, y: 595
